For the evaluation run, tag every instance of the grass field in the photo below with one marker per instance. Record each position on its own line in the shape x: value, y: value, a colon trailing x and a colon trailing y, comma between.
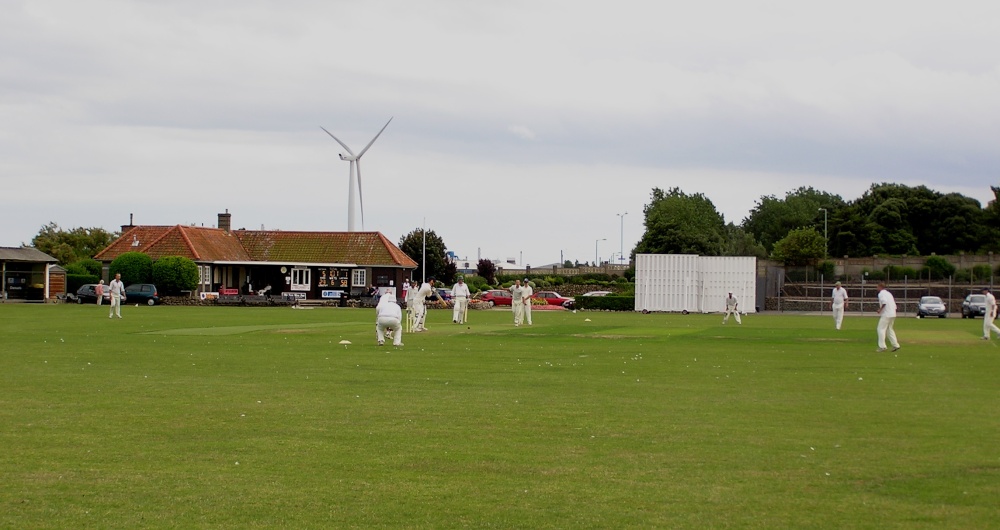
x: 256, y: 418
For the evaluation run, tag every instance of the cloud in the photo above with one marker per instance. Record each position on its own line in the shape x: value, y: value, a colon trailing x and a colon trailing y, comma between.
x: 209, y: 105
x: 522, y: 132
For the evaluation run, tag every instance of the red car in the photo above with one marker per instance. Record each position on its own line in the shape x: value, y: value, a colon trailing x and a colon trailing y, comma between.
x: 554, y: 298
x: 496, y: 297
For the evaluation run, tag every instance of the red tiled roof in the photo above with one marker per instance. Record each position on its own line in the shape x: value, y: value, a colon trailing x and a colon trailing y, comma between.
x: 192, y: 242
x: 213, y: 244
x: 362, y: 248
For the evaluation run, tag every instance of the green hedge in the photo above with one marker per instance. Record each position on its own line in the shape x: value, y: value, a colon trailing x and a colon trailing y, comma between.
x: 605, y: 303
x: 74, y: 281
x: 135, y: 267
x: 173, y: 274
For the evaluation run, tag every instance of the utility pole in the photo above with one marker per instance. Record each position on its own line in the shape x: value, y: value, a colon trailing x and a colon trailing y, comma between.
x: 826, y: 250
x: 621, y: 249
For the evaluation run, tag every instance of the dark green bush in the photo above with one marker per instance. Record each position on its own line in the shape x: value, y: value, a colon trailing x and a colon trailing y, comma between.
x: 896, y: 272
x: 826, y: 269
x: 92, y: 266
x: 873, y: 276
x: 981, y: 272
x: 962, y: 276
x: 477, y: 283
x: 74, y: 281
x: 135, y: 267
x: 939, y: 268
x: 173, y: 274
x: 606, y: 303
x: 77, y: 269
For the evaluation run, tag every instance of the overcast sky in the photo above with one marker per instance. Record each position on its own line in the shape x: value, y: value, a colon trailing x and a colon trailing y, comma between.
x: 520, y: 128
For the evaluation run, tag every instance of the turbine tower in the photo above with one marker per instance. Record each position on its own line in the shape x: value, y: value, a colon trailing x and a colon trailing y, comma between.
x: 355, y: 173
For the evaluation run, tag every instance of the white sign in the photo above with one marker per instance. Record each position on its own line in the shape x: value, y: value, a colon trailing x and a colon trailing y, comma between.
x: 331, y: 294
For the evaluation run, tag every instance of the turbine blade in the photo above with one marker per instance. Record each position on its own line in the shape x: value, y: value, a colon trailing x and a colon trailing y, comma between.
x: 361, y: 195
x: 373, y: 139
x: 342, y: 144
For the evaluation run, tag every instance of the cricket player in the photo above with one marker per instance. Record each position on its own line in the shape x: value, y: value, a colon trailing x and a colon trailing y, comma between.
x: 838, y: 303
x: 388, y: 318
x: 732, y: 308
x: 886, y: 318
x: 991, y: 313
x: 517, y: 302
x: 420, y: 303
x: 526, y: 294
x: 460, y: 294
x: 117, y: 290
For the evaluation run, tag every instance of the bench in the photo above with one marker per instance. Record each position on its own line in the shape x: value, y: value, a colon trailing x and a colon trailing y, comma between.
x: 229, y: 300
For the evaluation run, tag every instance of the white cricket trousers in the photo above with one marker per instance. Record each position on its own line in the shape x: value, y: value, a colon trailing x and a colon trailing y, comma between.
x: 116, y: 306
x: 988, y: 326
x: 838, y: 315
x: 885, y: 329
x: 390, y: 323
x: 419, y: 314
x: 517, y: 306
x: 527, y: 311
x: 733, y: 312
x: 458, y: 314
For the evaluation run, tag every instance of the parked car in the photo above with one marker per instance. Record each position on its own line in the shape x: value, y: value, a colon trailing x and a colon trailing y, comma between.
x: 139, y: 293
x: 974, y: 306
x: 597, y: 293
x: 87, y: 294
x: 443, y: 293
x: 496, y: 297
x: 554, y: 298
x: 931, y: 306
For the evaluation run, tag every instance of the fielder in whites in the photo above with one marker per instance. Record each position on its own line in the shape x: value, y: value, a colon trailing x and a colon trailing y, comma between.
x: 517, y: 302
x: 526, y: 294
x: 991, y: 313
x: 732, y: 308
x: 838, y: 303
x: 460, y: 295
x: 117, y: 290
x: 886, y: 318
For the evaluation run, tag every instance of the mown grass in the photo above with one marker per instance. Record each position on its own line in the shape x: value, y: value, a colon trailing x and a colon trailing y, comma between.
x: 257, y: 417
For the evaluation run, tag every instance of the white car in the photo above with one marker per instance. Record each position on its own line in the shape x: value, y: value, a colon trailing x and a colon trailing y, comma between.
x: 597, y: 293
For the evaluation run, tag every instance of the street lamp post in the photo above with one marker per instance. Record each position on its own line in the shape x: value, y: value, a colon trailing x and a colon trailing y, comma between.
x: 826, y: 250
x: 621, y: 249
x: 597, y: 260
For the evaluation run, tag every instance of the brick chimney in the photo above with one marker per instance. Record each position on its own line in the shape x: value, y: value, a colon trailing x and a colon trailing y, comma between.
x: 129, y: 226
x: 225, y: 220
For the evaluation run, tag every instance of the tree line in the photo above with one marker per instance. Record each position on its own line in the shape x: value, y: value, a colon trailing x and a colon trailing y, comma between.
x: 807, y: 224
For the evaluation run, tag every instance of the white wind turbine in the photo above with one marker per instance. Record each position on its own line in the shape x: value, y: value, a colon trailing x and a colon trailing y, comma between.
x: 355, y: 161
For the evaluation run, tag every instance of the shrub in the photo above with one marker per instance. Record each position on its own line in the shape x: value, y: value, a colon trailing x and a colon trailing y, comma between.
x: 939, y: 268
x: 74, y: 281
x: 981, y: 272
x: 606, y: 303
x: 873, y: 276
x: 477, y: 283
x: 135, y: 267
x: 963, y: 276
x: 896, y: 272
x: 93, y: 267
x: 825, y: 268
x: 77, y: 269
x: 173, y: 274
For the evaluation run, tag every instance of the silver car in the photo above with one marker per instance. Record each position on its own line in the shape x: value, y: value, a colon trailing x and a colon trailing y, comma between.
x: 974, y: 306
x: 931, y: 306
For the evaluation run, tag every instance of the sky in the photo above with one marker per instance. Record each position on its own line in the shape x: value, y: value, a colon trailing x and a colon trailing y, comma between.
x: 520, y: 129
